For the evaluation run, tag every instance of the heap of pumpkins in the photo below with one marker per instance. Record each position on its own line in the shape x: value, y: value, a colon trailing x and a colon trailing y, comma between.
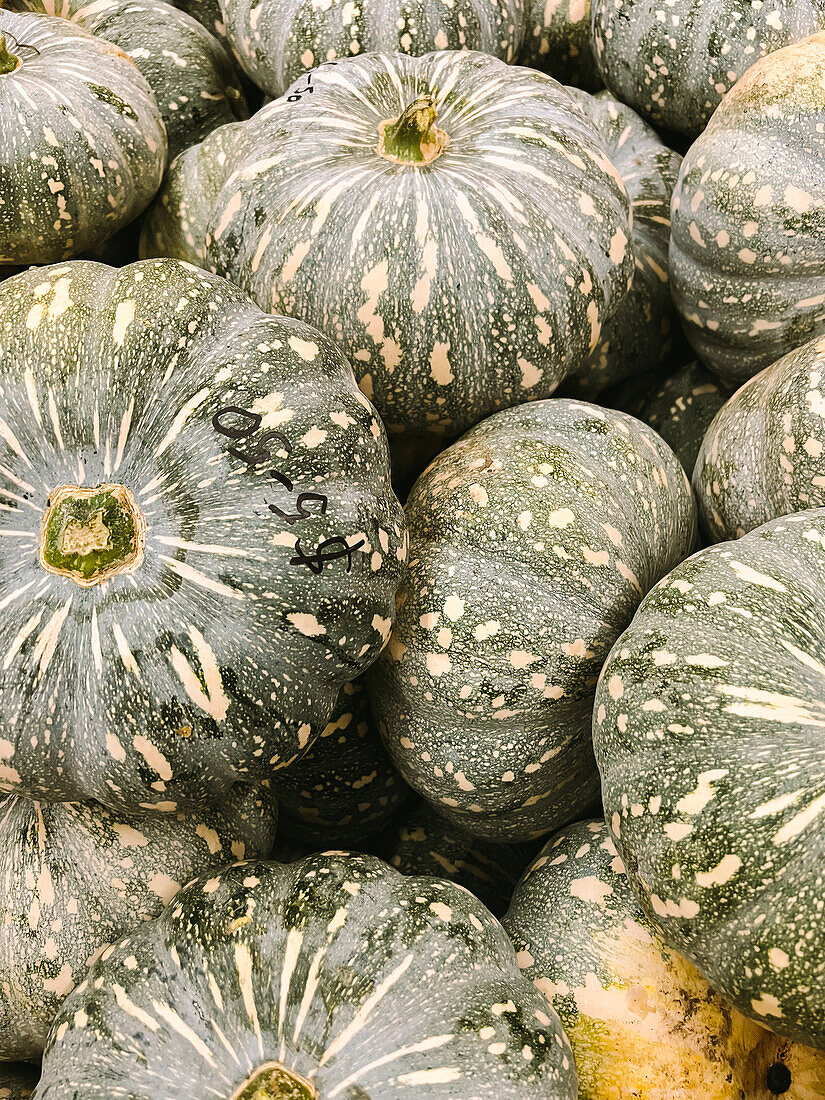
x: 516, y: 791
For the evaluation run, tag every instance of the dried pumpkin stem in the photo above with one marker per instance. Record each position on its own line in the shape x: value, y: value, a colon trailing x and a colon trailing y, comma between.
x: 8, y: 61
x: 412, y: 138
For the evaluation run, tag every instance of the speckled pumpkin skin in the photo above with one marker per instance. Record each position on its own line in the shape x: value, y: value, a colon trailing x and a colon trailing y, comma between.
x: 207, y: 12
x: 503, y: 281
x: 747, y: 258
x: 674, y: 60
x: 188, y: 70
x: 365, y: 982
x: 638, y: 335
x: 533, y: 539
x: 278, y: 40
x: 17, y: 1080
x: 643, y: 1023
x: 76, y: 877
x: 680, y: 408
x: 345, y: 786
x: 706, y: 732
x: 222, y: 656
x: 557, y: 41
x: 763, y: 455
x: 85, y: 148
x: 175, y: 223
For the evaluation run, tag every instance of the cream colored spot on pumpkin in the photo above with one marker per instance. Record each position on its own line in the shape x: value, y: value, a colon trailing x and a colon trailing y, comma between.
x: 454, y: 608
x: 306, y: 349
x: 438, y: 664
x: 486, y: 630
x: 124, y: 315
x: 153, y: 756
x: 562, y: 517
x: 214, y: 700
x: 164, y: 886
x: 306, y: 624
x: 778, y: 958
x: 766, y: 1005
x: 722, y: 873
x: 693, y: 803
x: 313, y: 438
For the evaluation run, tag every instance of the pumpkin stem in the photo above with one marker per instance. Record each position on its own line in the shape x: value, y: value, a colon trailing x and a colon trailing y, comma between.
x: 274, y: 1081
x: 413, y: 137
x: 8, y: 61
x: 90, y: 535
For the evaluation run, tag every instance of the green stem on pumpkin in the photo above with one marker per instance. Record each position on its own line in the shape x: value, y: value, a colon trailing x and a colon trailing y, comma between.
x: 8, y: 61
x: 274, y: 1081
x: 413, y: 137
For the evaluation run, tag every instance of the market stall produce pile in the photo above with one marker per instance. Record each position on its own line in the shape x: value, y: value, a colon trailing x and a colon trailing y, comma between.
x: 412, y: 550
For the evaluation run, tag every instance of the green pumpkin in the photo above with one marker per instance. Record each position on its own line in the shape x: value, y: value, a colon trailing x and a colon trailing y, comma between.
x: 89, y: 148
x: 278, y: 40
x: 188, y: 70
x: 746, y: 252
x: 638, y: 335
x: 674, y: 61
x: 427, y: 844
x: 198, y: 541
x: 514, y: 226
x: 175, y: 224
x: 557, y: 41
x: 642, y: 1021
x: 533, y: 539
x: 331, y: 977
x: 680, y: 407
x: 763, y: 455
x: 76, y: 877
x: 345, y: 787
x: 707, y: 733
x: 17, y: 1080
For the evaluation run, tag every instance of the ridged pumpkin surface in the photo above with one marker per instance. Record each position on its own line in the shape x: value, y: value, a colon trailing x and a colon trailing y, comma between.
x: 345, y: 787
x: 533, y: 539
x: 557, y: 41
x: 84, y: 147
x: 644, y: 1025
x: 17, y: 1080
x: 277, y: 40
x: 763, y: 454
x: 188, y: 70
x: 638, y: 335
x: 74, y: 877
x: 272, y: 543
x: 343, y: 977
x: 674, y: 60
x: 455, y: 287
x: 707, y: 731
x: 747, y: 247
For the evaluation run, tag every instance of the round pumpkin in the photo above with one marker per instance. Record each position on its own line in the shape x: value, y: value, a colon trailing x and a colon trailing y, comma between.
x: 706, y: 731
x: 747, y: 257
x: 557, y: 41
x: 674, y: 61
x: 762, y: 456
x: 188, y: 70
x: 331, y: 977
x: 642, y: 1022
x: 680, y: 407
x: 17, y: 1080
x: 198, y: 541
x: 345, y: 787
x: 75, y: 877
x: 278, y: 40
x: 514, y: 225
x: 89, y: 148
x: 638, y: 335
x: 533, y: 539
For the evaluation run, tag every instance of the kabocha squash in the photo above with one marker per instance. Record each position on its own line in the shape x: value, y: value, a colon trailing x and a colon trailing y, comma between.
x: 642, y: 1022
x: 345, y: 787
x: 427, y: 844
x: 706, y: 731
x: 17, y: 1080
x: 188, y: 70
x: 207, y: 12
x: 674, y: 60
x: 680, y: 408
x: 76, y: 877
x: 514, y: 226
x: 89, y: 148
x: 198, y: 542
x: 638, y: 335
x: 278, y: 40
x: 533, y: 539
x: 175, y: 224
x: 763, y: 455
x: 331, y: 977
x: 747, y: 257
x: 557, y: 41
